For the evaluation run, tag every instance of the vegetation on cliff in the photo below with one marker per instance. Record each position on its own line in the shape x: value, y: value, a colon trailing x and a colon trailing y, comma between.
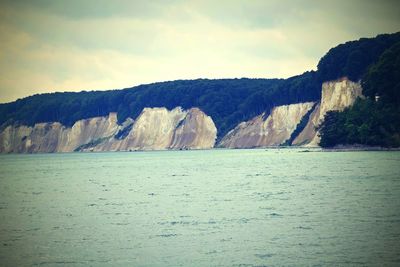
x: 352, y: 59
x: 230, y: 101
x: 227, y: 101
x: 375, y: 120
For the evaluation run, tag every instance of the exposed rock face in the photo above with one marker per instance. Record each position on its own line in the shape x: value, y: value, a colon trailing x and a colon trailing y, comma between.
x: 309, y: 131
x: 13, y: 138
x: 155, y: 128
x: 336, y: 95
x: 54, y: 137
x: 273, y: 131
x: 159, y: 128
x: 47, y: 137
x: 196, y: 131
x: 91, y: 130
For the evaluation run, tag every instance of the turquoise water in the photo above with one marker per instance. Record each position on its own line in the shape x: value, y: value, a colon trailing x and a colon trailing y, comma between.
x: 200, y: 208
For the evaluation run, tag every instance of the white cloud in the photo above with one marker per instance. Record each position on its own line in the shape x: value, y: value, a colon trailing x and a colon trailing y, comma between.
x: 45, y: 50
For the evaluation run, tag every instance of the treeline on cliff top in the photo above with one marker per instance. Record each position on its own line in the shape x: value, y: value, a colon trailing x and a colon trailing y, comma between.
x: 227, y: 101
x: 375, y: 120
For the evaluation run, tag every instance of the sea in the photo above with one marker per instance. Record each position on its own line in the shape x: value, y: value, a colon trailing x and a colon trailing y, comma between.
x: 257, y: 207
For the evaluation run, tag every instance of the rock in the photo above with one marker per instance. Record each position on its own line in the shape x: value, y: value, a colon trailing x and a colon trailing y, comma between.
x: 336, y: 95
x: 272, y: 131
x: 155, y: 128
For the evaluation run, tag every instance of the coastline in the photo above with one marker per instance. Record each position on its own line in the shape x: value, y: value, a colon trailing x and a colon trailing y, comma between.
x: 300, y: 149
x: 349, y: 148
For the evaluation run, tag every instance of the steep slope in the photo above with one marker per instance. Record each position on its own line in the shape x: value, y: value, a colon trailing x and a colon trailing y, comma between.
x: 160, y: 128
x: 336, y: 95
x: 374, y: 120
x: 272, y: 131
x: 54, y: 137
x: 155, y: 128
x: 227, y: 101
x: 196, y: 131
x: 131, y: 119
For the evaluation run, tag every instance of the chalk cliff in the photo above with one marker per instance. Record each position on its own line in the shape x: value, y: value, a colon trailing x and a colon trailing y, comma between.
x: 272, y: 131
x: 159, y: 128
x: 155, y: 128
x: 196, y: 131
x: 55, y: 137
x: 336, y: 95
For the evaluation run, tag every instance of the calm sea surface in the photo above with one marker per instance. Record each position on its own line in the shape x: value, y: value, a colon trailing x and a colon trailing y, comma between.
x: 200, y: 208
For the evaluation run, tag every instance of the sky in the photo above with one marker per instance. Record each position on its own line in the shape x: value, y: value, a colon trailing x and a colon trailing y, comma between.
x: 75, y: 45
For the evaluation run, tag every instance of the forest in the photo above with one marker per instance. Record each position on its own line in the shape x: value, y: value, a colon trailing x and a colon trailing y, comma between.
x: 375, y: 120
x: 227, y: 101
x: 374, y: 61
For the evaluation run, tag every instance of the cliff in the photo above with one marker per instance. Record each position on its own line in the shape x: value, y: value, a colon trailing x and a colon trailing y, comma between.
x: 336, y: 95
x: 283, y: 120
x: 229, y: 102
x: 54, y: 137
x: 155, y: 128
x: 160, y: 128
x: 272, y: 131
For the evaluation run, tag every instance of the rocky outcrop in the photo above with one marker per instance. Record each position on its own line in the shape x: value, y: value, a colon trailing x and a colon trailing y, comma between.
x: 160, y: 128
x: 91, y: 130
x: 283, y: 120
x: 14, y: 138
x: 272, y: 131
x: 336, y: 95
x: 155, y: 128
x: 54, y: 137
x: 309, y: 131
x: 196, y: 131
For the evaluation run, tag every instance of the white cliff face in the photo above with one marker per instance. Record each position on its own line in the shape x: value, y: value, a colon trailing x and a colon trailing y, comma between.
x: 12, y: 138
x: 339, y: 94
x: 46, y: 137
x: 273, y: 131
x: 336, y: 95
x: 54, y: 137
x: 159, y: 129
x: 155, y: 128
x: 43, y: 137
x: 309, y: 132
x: 196, y: 131
x: 89, y: 130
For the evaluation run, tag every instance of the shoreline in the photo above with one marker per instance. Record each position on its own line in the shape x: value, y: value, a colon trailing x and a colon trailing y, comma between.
x: 342, y: 148
x: 300, y: 149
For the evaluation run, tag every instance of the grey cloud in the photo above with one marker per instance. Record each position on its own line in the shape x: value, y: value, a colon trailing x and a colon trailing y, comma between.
x: 99, y: 44
x: 81, y: 9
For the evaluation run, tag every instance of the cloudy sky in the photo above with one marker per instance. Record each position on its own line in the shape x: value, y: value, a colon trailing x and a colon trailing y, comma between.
x: 74, y: 45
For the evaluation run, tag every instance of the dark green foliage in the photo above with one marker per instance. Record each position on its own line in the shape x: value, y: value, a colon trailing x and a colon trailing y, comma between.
x: 366, y: 123
x: 227, y: 101
x: 330, y: 134
x: 61, y: 107
x: 230, y: 101
x: 370, y: 122
x: 352, y: 59
x: 383, y: 78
